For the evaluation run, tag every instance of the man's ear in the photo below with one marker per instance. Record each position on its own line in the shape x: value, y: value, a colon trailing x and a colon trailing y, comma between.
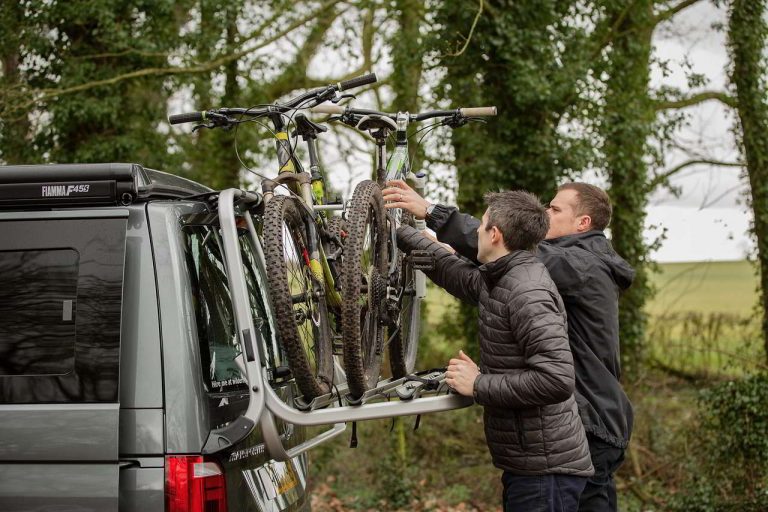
x: 496, y: 235
x: 585, y: 223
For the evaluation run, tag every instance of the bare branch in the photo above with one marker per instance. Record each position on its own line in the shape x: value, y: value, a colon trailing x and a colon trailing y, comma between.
x: 471, y: 31
x: 695, y: 99
x: 664, y: 176
x: 665, y: 15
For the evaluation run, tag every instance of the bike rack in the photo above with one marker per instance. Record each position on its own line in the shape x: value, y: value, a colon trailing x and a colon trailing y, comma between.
x: 334, y: 408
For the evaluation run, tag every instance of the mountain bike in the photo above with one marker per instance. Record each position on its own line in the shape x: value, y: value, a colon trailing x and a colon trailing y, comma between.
x: 303, y: 245
x: 389, y: 287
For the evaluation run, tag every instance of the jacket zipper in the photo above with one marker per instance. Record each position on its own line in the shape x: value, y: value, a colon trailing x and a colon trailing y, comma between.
x: 520, y: 433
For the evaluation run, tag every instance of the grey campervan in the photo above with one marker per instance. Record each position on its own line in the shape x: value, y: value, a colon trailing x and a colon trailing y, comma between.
x: 118, y: 349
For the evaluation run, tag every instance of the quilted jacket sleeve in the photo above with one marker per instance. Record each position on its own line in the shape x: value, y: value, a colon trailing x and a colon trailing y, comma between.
x: 547, y: 377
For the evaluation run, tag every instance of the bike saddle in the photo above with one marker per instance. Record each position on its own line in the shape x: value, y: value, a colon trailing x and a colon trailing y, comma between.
x: 373, y: 122
x: 305, y: 127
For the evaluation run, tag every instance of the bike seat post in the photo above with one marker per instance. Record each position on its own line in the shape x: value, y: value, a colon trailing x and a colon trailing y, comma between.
x: 381, y: 155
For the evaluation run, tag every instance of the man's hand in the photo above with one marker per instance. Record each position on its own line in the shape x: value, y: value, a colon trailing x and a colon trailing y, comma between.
x: 461, y: 374
x: 399, y: 195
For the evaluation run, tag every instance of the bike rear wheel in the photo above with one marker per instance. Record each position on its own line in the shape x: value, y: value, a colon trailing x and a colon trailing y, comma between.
x: 298, y: 296
x: 404, y: 345
x: 364, y: 285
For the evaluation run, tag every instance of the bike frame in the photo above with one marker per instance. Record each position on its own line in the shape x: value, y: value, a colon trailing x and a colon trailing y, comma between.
x: 398, y: 168
x: 311, y: 189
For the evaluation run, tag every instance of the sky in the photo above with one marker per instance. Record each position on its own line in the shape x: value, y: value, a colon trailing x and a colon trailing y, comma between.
x: 709, y: 221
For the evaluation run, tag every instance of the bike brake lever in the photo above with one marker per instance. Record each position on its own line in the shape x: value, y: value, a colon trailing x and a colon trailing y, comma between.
x: 340, y: 97
x: 454, y: 121
x: 210, y: 126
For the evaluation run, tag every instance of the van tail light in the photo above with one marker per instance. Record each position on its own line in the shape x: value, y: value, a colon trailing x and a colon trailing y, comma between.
x: 194, y: 484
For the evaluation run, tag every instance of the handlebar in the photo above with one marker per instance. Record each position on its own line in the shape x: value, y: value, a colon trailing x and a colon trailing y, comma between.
x: 313, y: 97
x: 187, y: 117
x: 478, y: 111
x: 332, y: 109
x: 358, y: 81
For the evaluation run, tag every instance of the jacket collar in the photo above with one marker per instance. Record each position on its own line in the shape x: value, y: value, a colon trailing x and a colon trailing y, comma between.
x: 494, y: 270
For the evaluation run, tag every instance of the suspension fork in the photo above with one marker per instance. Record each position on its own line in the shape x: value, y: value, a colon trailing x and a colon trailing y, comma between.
x: 314, y: 193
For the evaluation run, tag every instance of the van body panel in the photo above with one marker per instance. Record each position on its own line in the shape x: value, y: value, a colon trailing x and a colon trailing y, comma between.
x: 142, y: 489
x: 80, y: 487
x: 186, y: 412
x: 58, y: 432
x: 141, y: 432
x: 141, y: 376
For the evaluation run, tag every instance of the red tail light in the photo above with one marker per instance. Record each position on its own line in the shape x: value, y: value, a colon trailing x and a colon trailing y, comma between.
x: 194, y: 484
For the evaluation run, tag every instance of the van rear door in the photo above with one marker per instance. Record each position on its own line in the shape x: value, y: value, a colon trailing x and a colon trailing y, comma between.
x: 61, y: 278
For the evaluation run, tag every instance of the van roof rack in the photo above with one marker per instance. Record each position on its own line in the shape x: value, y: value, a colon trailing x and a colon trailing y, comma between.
x: 114, y: 184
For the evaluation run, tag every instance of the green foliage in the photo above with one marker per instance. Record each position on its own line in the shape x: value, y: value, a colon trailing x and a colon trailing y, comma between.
x: 731, y: 475
x: 65, y: 45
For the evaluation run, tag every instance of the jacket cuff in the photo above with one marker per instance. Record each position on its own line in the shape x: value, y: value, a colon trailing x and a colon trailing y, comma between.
x: 476, y: 394
x: 439, y: 216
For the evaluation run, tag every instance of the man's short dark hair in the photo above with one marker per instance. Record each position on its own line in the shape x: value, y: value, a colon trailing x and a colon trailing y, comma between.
x: 592, y: 201
x: 520, y: 216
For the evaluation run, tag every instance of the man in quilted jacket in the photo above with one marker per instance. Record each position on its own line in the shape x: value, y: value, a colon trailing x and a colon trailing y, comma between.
x: 525, y: 380
x: 589, y: 276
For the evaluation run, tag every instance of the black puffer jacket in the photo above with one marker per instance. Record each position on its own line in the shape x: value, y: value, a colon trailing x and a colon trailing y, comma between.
x: 532, y: 424
x: 589, y: 276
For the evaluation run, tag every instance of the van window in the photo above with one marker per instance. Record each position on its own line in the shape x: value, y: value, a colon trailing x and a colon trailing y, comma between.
x: 61, y: 298
x: 37, y: 312
x: 214, y: 315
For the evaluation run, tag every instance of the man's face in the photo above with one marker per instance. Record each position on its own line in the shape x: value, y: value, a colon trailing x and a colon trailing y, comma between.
x: 562, y: 215
x: 484, y: 244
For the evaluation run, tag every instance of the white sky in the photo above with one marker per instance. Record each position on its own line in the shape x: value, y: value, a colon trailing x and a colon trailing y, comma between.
x: 709, y: 220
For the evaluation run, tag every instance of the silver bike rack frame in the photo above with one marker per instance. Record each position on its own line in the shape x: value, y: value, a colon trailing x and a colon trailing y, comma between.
x: 332, y: 409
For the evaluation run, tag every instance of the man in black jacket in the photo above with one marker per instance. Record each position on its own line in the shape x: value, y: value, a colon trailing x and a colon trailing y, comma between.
x: 589, y: 276
x: 526, y: 385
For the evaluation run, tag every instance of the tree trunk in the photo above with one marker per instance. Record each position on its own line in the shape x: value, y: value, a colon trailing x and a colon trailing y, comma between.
x: 747, y: 35
x: 627, y: 124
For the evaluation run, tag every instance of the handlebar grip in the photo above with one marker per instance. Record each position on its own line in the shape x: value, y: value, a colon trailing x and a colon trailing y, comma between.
x: 328, y: 108
x: 478, y: 111
x: 358, y: 81
x: 187, y: 117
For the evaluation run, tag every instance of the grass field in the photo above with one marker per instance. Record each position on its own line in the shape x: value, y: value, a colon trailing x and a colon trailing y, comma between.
x: 702, y: 317
x: 705, y: 287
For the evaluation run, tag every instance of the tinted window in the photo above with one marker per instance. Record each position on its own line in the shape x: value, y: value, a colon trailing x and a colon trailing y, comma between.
x: 37, y: 308
x: 61, y: 285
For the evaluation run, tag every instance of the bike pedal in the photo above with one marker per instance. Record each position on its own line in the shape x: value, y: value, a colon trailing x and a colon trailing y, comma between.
x: 422, y: 260
x: 338, y: 346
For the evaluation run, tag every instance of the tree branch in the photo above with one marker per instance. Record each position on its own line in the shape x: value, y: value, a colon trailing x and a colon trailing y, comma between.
x: 665, y: 15
x: 471, y: 31
x: 661, y: 178
x: 46, y: 94
x: 700, y: 97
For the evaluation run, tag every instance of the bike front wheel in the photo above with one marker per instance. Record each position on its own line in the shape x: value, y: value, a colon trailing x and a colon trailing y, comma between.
x: 298, y: 297
x: 364, y: 287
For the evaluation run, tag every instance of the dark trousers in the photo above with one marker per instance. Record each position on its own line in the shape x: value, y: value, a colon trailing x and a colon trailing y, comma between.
x: 542, y: 493
x: 600, y: 493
